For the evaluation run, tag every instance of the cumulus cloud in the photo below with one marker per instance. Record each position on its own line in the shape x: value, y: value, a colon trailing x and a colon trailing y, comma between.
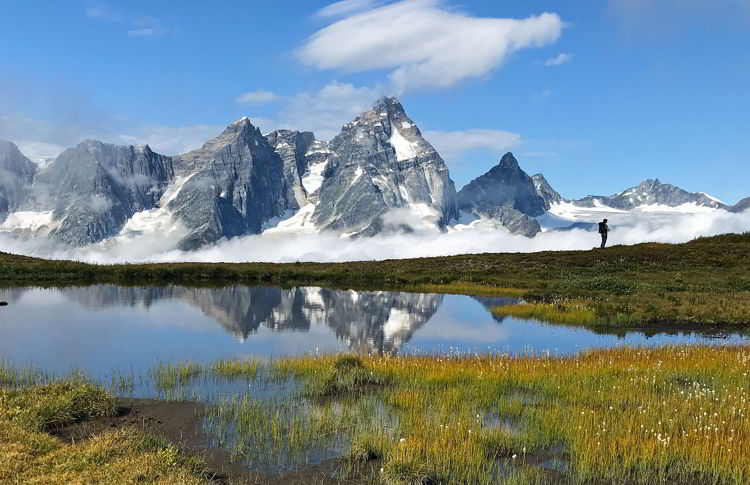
x: 453, y: 144
x: 559, y: 59
x: 326, y: 247
x: 257, y: 97
x: 411, y: 38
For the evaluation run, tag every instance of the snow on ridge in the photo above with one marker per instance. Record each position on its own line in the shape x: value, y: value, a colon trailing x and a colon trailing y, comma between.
x: 711, y: 197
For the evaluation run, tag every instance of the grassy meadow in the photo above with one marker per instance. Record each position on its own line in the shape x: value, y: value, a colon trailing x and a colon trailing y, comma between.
x: 675, y: 415
x: 703, y: 282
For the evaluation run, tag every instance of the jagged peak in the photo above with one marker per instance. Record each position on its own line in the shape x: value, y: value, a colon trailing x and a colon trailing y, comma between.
x: 240, y: 124
x: 391, y: 103
x: 508, y: 160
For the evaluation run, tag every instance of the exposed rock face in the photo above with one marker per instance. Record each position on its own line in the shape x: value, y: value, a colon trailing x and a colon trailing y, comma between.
x: 741, y: 206
x: 292, y: 147
x: 380, y: 162
x: 650, y: 192
x: 545, y: 191
x: 231, y: 186
x: 96, y: 187
x: 16, y: 174
x: 507, y: 194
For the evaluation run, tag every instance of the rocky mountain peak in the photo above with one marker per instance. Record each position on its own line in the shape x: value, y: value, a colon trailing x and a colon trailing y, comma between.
x: 651, y: 192
x: 545, y: 191
x: 505, y: 193
x: 380, y: 162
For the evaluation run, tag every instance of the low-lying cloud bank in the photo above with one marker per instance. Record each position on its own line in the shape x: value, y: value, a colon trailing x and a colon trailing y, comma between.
x: 326, y: 247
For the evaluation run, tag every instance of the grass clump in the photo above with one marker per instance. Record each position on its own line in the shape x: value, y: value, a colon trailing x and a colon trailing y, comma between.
x: 369, y: 446
x: 169, y: 376
x: 569, y: 313
x: 347, y: 375
x: 236, y: 368
x: 54, y: 405
x: 406, y: 471
x: 28, y: 454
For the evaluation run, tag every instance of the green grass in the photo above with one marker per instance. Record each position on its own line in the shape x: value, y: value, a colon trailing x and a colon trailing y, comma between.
x: 29, y: 455
x: 622, y: 416
x: 634, y: 416
x: 566, y: 312
x: 705, y: 281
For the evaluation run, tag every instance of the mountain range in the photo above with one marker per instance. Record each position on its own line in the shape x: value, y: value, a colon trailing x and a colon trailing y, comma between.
x: 378, y: 175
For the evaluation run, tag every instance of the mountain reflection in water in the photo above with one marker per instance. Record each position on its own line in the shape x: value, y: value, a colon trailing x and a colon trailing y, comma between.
x: 368, y: 321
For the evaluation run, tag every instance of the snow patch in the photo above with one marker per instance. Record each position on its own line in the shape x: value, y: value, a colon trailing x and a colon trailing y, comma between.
x: 313, y: 177
x: 357, y: 174
x: 299, y: 222
x: 405, y: 150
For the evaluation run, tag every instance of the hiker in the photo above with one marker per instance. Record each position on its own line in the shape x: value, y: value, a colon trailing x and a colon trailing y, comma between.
x: 603, y: 230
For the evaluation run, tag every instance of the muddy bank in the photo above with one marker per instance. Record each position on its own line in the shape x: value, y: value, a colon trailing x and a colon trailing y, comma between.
x: 180, y: 424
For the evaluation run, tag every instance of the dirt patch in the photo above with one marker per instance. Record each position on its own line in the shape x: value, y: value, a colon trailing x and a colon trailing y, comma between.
x: 180, y: 424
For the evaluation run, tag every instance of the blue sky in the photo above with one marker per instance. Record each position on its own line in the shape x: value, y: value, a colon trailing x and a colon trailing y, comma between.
x: 598, y: 95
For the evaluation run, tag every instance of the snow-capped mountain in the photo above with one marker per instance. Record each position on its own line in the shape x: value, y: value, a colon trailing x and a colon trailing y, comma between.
x: 91, y: 190
x: 505, y: 194
x: 229, y: 187
x: 378, y: 175
x: 545, y: 191
x: 380, y: 172
x: 652, y: 193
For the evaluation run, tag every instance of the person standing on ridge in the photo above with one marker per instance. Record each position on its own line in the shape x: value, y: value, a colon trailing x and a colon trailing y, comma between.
x: 603, y: 230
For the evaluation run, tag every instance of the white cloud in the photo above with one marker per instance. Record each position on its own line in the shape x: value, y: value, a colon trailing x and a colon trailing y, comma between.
x: 40, y: 152
x: 425, y: 44
x: 100, y: 12
x: 170, y: 140
x: 324, y: 111
x: 135, y: 26
x: 257, y: 97
x: 324, y: 247
x: 452, y: 144
x: 346, y: 7
x: 559, y: 59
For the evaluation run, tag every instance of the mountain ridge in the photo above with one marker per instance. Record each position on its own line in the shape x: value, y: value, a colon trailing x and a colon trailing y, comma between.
x: 378, y: 175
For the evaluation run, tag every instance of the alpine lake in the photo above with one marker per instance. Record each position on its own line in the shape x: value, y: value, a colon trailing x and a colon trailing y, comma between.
x: 233, y: 355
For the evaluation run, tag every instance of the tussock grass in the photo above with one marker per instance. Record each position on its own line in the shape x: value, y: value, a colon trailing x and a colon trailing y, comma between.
x: 45, y: 407
x: 567, y: 313
x: 169, y: 376
x: 236, y: 368
x: 28, y: 455
x: 470, y: 288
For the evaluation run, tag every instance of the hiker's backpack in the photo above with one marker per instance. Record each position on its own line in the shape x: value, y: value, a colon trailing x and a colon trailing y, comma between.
x: 602, y: 228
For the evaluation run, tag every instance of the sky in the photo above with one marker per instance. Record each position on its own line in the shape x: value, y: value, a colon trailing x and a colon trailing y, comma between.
x: 596, y: 94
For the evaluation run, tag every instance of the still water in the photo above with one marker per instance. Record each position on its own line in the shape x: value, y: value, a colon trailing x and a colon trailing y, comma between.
x: 102, y: 328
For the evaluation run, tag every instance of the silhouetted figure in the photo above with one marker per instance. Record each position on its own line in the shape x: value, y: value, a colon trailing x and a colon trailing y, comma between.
x: 603, y: 230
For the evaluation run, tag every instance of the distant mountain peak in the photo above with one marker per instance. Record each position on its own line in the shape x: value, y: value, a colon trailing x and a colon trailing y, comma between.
x: 652, y: 192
